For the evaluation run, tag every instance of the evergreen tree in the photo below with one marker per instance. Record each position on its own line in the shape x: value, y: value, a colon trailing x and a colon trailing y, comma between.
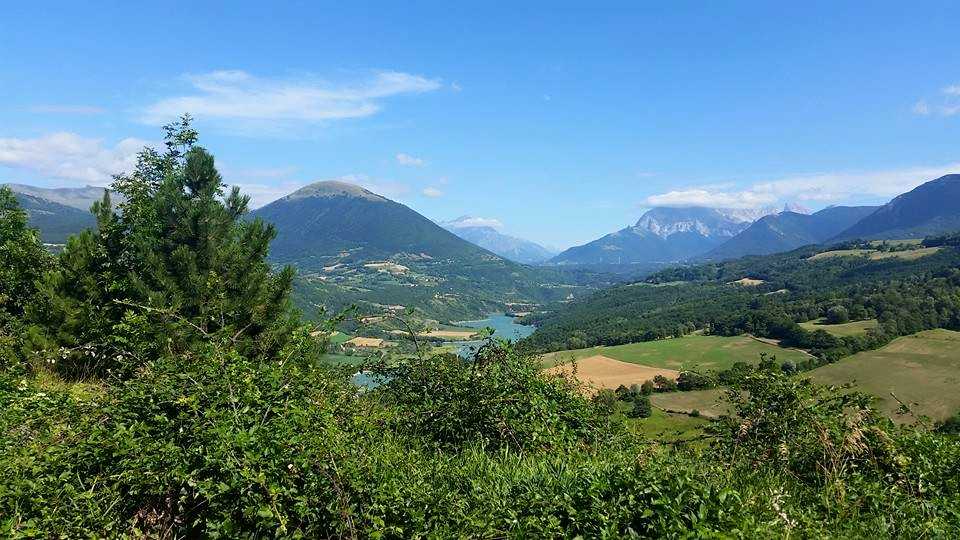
x: 22, y: 257
x: 175, y: 263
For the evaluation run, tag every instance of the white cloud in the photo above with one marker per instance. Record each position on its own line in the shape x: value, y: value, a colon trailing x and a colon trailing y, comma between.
x: 713, y: 199
x: 68, y: 156
x: 237, y: 96
x: 432, y: 192
x: 67, y: 109
x: 410, y: 161
x: 825, y: 188
x: 948, y: 103
x: 470, y: 221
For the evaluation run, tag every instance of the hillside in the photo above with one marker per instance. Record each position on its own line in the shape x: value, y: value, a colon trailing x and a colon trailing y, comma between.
x: 662, y: 235
x: 81, y: 198
x: 930, y: 209
x: 55, y: 221
x: 353, y: 246
x: 506, y: 246
x: 767, y: 295
x: 785, y: 231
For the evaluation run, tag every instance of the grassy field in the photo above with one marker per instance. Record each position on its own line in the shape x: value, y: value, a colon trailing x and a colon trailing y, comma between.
x: 840, y: 330
x: 690, y: 352
x: 668, y: 427
x: 922, y: 370
x: 710, y: 403
x: 908, y: 255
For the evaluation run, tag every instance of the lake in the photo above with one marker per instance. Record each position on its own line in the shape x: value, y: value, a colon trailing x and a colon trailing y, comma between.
x: 504, y: 326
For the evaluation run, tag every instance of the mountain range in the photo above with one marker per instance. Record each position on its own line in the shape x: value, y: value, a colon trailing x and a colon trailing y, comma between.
x: 930, y: 209
x: 48, y: 212
x: 663, y: 235
x: 355, y: 246
x: 785, y: 231
x: 509, y: 247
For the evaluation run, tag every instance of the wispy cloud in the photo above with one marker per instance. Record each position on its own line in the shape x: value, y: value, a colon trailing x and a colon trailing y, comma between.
x: 410, y: 161
x: 947, y: 103
x: 824, y: 188
x: 471, y: 221
x: 432, y: 192
x: 237, y: 97
x: 67, y: 109
x: 68, y: 156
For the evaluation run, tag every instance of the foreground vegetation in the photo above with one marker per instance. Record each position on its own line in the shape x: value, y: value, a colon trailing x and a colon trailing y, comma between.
x: 167, y: 389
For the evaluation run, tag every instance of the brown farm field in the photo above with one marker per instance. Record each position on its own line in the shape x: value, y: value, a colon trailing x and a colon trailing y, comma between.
x: 599, y: 372
x: 922, y: 370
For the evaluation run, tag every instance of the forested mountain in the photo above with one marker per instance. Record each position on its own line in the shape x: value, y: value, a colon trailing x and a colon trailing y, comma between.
x: 353, y: 246
x: 905, y: 293
x: 930, y: 209
x: 489, y: 238
x: 55, y: 221
x: 785, y: 231
x: 662, y: 235
x: 81, y: 198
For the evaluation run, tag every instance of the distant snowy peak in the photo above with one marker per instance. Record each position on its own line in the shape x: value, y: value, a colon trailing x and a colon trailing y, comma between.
x: 709, y: 222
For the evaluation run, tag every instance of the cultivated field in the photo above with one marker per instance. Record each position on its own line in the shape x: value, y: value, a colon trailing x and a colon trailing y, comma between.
x: 599, y: 372
x: 689, y: 352
x: 908, y: 255
x: 450, y: 334
x: 846, y: 329
x: 922, y: 370
x: 748, y: 282
x: 711, y: 403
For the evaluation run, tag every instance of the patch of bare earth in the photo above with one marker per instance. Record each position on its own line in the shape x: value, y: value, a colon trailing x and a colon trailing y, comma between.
x: 599, y: 372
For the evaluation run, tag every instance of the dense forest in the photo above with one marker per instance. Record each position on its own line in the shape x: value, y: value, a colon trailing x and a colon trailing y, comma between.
x: 905, y: 295
x: 155, y: 381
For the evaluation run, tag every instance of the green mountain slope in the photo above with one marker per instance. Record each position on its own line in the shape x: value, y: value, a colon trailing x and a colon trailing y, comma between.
x: 930, y: 209
x: 353, y: 246
x: 785, y: 231
x: 781, y: 290
x: 55, y: 221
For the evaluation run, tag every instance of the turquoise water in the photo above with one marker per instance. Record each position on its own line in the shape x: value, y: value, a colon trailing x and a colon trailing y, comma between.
x: 503, y: 325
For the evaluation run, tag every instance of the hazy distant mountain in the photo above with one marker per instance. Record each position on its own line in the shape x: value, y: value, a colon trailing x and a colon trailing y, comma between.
x: 81, y: 198
x: 663, y: 235
x: 930, y: 209
x: 789, y: 230
x: 55, y: 221
x: 509, y: 247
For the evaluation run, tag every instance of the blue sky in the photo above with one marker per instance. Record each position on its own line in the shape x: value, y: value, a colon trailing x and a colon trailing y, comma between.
x: 561, y: 121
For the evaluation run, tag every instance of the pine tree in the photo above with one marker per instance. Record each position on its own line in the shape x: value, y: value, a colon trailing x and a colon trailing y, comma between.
x: 22, y: 257
x: 176, y: 262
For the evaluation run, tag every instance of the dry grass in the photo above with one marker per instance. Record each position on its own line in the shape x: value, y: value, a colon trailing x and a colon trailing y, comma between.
x: 366, y: 342
x: 602, y: 372
x: 748, y: 282
x: 711, y: 403
x: 845, y: 329
x: 874, y: 255
x: 923, y: 370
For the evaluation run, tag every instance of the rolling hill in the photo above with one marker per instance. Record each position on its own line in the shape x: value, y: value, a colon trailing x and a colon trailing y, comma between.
x: 785, y: 231
x: 81, y: 198
x: 353, y: 246
x: 489, y: 238
x: 930, y: 209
